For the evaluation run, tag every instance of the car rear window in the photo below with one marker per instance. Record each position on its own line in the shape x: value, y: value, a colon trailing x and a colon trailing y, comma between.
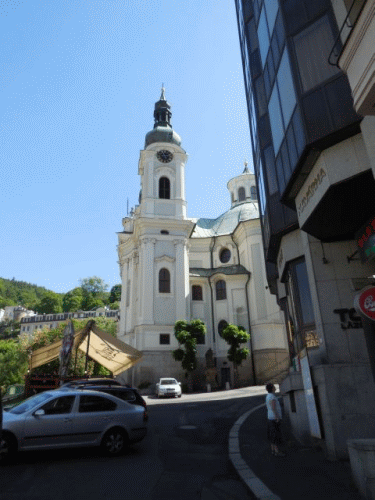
x: 88, y: 404
x: 124, y: 395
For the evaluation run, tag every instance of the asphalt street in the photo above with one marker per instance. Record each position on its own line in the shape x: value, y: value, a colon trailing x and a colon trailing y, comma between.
x: 183, y: 457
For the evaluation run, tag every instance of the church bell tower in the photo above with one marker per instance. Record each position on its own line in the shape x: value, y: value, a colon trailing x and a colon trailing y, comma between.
x: 153, y: 253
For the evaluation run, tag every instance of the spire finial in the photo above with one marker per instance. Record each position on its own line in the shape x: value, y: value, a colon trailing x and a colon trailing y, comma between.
x: 246, y: 170
x: 162, y: 96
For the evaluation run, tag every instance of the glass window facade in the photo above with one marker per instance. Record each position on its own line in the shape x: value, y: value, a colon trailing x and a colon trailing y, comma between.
x: 313, y: 46
x: 300, y: 306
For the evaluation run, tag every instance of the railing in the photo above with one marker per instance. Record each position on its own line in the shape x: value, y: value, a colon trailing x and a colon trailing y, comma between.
x: 351, y: 18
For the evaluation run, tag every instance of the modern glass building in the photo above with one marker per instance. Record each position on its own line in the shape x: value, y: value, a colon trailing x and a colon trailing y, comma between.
x: 314, y: 162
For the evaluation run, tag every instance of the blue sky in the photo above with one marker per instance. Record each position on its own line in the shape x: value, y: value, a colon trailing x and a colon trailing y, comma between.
x: 78, y: 83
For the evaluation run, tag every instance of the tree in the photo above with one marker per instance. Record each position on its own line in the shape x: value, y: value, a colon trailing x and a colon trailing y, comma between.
x: 50, y: 303
x: 115, y: 294
x: 13, y: 363
x: 235, y: 336
x: 72, y: 300
x: 9, y: 329
x: 93, y: 286
x: 187, y: 335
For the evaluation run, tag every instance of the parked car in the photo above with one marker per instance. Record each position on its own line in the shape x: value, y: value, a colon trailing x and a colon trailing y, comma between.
x: 91, y: 381
x: 74, y: 418
x: 168, y: 387
x: 128, y: 394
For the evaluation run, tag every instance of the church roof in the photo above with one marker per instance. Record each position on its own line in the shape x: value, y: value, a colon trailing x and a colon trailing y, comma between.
x: 227, y: 222
x: 228, y: 270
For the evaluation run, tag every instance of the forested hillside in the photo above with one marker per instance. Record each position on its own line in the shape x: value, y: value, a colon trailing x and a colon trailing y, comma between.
x: 13, y: 293
x: 90, y: 295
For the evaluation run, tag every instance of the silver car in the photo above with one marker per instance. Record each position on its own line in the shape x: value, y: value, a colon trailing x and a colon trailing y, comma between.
x: 61, y: 419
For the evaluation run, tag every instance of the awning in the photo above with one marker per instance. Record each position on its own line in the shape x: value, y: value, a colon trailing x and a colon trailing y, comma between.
x: 107, y: 350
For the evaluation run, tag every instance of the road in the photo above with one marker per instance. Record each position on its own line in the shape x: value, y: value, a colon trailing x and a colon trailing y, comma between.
x: 183, y: 457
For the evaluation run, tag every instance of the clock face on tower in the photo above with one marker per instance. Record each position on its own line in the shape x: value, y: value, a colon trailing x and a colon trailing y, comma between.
x: 164, y: 156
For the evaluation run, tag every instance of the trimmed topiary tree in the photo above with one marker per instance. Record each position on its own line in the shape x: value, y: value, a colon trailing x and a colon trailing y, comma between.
x: 235, y: 336
x: 187, y: 335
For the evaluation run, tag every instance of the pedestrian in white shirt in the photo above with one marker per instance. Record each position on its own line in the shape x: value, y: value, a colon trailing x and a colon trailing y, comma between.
x: 274, y: 416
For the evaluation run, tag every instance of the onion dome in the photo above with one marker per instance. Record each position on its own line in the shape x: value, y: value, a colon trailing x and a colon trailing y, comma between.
x: 162, y: 131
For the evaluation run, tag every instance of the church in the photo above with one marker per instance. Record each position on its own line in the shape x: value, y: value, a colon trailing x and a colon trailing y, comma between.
x: 174, y: 267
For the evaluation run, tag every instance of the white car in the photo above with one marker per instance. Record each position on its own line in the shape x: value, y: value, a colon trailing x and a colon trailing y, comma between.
x: 168, y: 387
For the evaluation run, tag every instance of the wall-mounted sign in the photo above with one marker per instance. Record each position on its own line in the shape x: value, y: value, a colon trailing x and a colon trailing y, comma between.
x: 348, y: 318
x: 366, y: 240
x: 364, y: 302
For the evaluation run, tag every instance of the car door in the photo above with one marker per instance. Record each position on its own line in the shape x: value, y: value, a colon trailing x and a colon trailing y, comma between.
x: 93, y: 416
x: 52, y: 429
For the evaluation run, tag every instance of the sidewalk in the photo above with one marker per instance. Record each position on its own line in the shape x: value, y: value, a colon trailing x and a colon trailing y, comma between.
x: 303, y: 474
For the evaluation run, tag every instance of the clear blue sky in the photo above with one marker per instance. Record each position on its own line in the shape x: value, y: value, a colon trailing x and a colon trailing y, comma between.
x: 78, y: 83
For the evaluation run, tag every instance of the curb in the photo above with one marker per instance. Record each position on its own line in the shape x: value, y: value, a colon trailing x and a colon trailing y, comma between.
x: 256, y: 486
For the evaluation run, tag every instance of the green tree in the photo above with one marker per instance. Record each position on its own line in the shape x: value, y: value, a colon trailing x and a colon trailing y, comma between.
x: 114, y: 306
x: 235, y: 336
x: 90, y: 303
x: 9, y: 329
x: 72, y: 300
x: 13, y: 363
x: 115, y: 294
x: 187, y: 335
x: 93, y: 286
x: 94, y: 290
x: 50, y: 303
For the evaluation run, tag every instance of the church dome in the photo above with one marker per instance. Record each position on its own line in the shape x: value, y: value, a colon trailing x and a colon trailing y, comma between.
x: 162, y: 134
x: 162, y: 131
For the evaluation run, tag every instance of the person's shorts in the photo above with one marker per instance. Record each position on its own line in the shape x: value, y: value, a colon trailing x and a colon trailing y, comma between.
x: 274, y: 431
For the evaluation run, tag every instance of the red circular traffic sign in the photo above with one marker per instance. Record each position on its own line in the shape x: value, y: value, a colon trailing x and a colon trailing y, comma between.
x: 364, y: 303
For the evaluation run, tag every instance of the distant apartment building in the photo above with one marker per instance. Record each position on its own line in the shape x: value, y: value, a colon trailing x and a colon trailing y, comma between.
x: 31, y: 324
x: 309, y: 71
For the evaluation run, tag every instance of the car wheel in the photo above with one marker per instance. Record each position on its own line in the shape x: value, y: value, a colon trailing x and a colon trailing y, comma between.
x: 180, y: 395
x: 8, y: 447
x: 114, y: 442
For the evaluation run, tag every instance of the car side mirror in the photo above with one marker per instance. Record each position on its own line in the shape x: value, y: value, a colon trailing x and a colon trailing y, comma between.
x: 179, y: 383
x: 39, y: 413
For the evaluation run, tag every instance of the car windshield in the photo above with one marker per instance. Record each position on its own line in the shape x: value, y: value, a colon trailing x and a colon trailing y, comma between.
x: 168, y: 381
x: 30, y: 403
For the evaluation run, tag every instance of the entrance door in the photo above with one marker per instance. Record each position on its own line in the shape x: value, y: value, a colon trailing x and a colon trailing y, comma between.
x: 225, y: 376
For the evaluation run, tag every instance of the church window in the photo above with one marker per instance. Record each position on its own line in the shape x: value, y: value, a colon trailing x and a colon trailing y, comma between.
x: 241, y: 194
x: 197, y: 292
x: 221, y: 290
x: 220, y: 327
x: 164, y: 188
x: 254, y: 193
x: 225, y: 255
x: 165, y: 339
x: 164, y: 281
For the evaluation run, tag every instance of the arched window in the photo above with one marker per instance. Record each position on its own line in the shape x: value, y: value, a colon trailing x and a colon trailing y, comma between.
x: 197, y: 292
x: 221, y: 290
x: 220, y: 327
x: 254, y: 195
x: 164, y: 188
x: 241, y: 194
x: 164, y: 281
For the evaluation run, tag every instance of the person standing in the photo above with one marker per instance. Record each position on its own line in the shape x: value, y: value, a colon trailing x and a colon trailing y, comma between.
x: 274, y: 417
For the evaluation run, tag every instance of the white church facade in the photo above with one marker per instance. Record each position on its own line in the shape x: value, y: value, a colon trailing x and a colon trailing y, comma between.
x: 174, y: 267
